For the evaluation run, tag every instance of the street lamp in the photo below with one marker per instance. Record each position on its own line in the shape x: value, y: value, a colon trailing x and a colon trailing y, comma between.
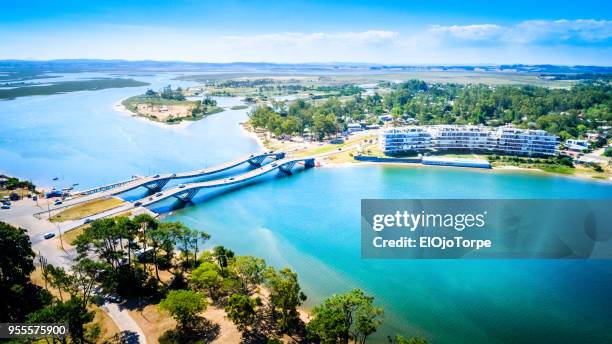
x: 60, y: 237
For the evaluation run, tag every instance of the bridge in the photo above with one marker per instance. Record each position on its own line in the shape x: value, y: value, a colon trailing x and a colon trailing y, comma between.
x: 186, y: 192
x: 157, y: 182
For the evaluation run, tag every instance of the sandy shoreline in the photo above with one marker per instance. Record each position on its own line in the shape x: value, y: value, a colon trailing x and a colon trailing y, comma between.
x: 251, y: 134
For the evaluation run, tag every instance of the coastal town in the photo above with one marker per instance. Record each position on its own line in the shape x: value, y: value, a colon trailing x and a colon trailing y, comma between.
x: 333, y: 124
x: 305, y: 172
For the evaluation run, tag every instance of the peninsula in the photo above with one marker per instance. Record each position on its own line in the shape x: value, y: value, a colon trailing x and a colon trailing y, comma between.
x: 170, y: 106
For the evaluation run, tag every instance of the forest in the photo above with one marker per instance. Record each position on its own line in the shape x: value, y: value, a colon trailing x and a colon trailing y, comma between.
x: 568, y: 113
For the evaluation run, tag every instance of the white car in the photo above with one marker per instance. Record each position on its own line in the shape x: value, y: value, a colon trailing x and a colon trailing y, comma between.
x: 49, y: 235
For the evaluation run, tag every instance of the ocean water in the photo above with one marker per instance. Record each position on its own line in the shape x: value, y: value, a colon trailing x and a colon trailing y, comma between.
x: 310, y: 221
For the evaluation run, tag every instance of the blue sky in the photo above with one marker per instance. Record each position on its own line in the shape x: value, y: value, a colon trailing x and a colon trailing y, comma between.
x: 409, y: 32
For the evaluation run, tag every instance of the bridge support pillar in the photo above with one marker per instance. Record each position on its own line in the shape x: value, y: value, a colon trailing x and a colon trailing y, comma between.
x: 157, y: 185
x: 187, y: 196
x: 286, y: 168
x: 308, y: 163
x: 257, y: 161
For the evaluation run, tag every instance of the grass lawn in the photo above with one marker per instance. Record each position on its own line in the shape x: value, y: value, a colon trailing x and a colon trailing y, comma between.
x: 83, y: 210
x: 327, y: 148
x: 72, y: 234
x: 558, y: 169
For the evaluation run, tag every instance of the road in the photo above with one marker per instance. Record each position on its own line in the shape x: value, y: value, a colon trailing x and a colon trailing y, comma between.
x: 20, y: 215
x: 194, y: 187
x: 162, y: 178
x: 131, y: 332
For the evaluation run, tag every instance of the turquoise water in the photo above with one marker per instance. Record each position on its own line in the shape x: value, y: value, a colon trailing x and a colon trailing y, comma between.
x: 310, y: 221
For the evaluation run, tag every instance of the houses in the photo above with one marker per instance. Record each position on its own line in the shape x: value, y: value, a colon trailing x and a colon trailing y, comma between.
x: 354, y: 127
x: 385, y: 118
x: 577, y: 145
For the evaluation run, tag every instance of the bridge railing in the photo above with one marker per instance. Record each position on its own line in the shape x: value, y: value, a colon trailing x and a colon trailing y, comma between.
x: 105, y: 187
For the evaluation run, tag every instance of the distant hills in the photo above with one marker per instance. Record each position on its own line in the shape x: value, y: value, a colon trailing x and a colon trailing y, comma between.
x: 83, y: 65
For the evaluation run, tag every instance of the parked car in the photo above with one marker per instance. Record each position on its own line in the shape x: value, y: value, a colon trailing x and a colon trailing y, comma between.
x: 57, y: 202
x: 6, y: 202
x: 113, y: 298
x: 4, y: 206
x: 49, y: 235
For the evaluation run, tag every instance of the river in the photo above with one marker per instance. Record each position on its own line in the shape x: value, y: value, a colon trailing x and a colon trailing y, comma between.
x: 310, y: 221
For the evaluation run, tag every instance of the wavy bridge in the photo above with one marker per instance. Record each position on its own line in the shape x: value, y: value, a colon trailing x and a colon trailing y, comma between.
x: 158, y: 181
x: 186, y: 192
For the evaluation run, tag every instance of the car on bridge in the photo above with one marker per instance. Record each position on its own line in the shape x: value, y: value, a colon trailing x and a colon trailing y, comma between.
x: 156, y: 176
x: 137, y: 204
x: 49, y: 235
x: 159, y: 194
x: 274, y: 164
x: 88, y: 221
x: 181, y: 186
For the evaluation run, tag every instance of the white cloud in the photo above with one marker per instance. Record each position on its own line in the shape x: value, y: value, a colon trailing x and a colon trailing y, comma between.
x: 469, y: 32
x: 579, y: 32
x: 537, y: 41
x: 365, y: 37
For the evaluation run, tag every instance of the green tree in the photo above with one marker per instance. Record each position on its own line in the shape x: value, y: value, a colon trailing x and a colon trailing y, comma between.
x: 184, y: 306
x: 222, y: 256
x: 72, y: 312
x: 402, y: 340
x: 285, y: 296
x: 19, y: 296
x: 250, y: 272
x: 350, y: 316
x: 242, y: 311
x: 207, y: 277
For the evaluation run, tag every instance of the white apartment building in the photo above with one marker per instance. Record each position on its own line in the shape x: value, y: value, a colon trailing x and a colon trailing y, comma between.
x: 460, y: 137
x: 514, y: 141
x: 406, y: 139
x: 502, y: 140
